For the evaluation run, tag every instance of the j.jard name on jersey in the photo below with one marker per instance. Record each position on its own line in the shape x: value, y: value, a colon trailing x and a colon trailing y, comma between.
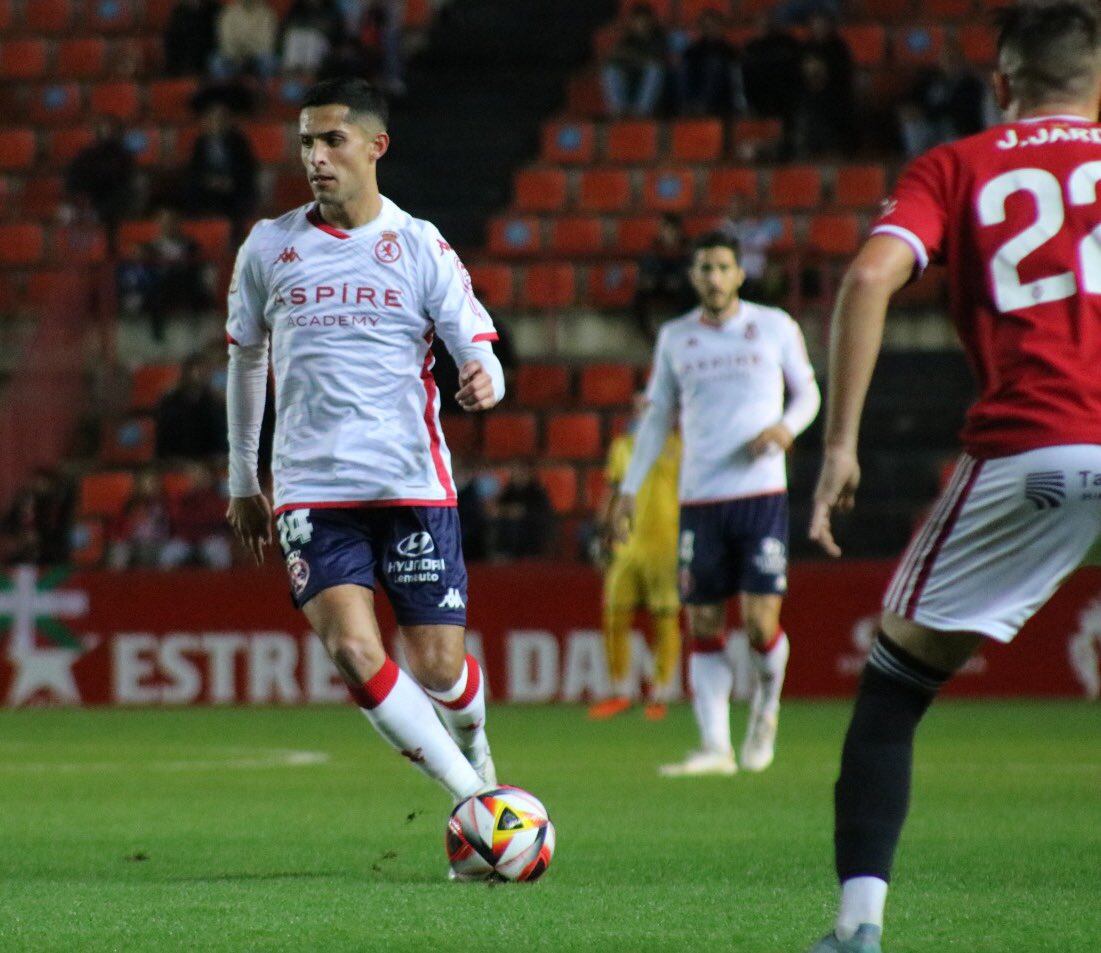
x: 1045, y: 135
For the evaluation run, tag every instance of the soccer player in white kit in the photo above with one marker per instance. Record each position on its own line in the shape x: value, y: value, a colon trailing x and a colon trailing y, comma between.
x: 724, y: 368
x: 1014, y: 214
x: 351, y: 291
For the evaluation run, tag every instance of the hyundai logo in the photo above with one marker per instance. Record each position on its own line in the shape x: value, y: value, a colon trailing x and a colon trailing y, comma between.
x: 415, y: 544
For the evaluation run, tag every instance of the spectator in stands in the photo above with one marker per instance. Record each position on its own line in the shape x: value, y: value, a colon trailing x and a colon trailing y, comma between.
x: 102, y: 176
x: 946, y: 103
x: 191, y: 420
x: 36, y: 527
x: 826, y: 120
x: 755, y: 235
x: 349, y: 59
x: 523, y: 519
x: 663, y: 286
x: 197, y: 521
x: 633, y: 77
x: 189, y: 37
x: 710, y: 72
x: 222, y: 171
x: 771, y: 73
x: 168, y: 275
x: 247, y: 31
x: 311, y: 29
x: 136, y: 539
x: 383, y: 29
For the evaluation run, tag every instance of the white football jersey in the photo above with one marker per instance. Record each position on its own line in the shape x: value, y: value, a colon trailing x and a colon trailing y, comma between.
x: 352, y: 315
x: 727, y: 382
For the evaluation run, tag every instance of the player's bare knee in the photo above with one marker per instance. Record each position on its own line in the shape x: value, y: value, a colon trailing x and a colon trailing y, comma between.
x: 945, y: 651
x: 436, y: 655
x: 705, y: 622
x: 355, y: 654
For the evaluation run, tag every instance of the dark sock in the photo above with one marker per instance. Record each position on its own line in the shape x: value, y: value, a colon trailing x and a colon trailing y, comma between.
x: 872, y: 794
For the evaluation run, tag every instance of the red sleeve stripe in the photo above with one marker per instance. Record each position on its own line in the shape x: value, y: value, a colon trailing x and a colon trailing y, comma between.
x: 230, y: 339
x: 485, y: 336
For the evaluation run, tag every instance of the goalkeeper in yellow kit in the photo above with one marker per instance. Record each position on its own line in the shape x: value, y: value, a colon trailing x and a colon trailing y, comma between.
x: 641, y: 572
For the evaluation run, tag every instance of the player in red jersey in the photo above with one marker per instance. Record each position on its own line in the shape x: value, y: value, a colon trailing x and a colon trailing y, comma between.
x: 1015, y: 214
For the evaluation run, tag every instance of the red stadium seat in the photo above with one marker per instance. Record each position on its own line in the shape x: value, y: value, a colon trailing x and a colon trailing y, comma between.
x: 574, y: 436
x: 87, y: 543
x: 540, y: 190
x: 21, y: 244
x: 697, y: 140
x: 105, y: 494
x: 509, y: 434
x: 631, y: 141
x: 948, y: 9
x: 212, y: 236
x: 150, y: 383
x: 43, y: 287
x: 121, y: 100
x: 918, y: 45
x: 636, y: 235
x: 753, y: 135
x: 560, y: 482
x: 568, y: 142
x: 170, y: 99
x: 64, y: 144
x: 5, y: 14
x: 128, y: 442
x: 109, y: 16
x: 549, y: 286
x: 577, y: 236
x: 595, y: 484
x: 132, y: 235
x: 979, y: 45
x: 418, y: 14
x: 22, y: 59
x: 55, y: 104
x: 796, y: 186
x: 514, y: 236
x: 607, y: 385
x: 834, y: 234
x: 605, y: 190
x: 176, y: 483
x: 47, y: 16
x: 696, y: 225
x: 723, y: 184
x: 157, y: 13
x: 493, y: 285
x: 462, y: 433
x: 542, y: 385
x: 78, y: 245
x: 268, y: 141
x: 670, y: 190
x: 17, y: 148
x: 290, y: 190
x: 41, y: 195
x: 867, y: 41
x: 860, y: 186
x: 84, y: 58
x: 692, y: 10
x: 613, y: 285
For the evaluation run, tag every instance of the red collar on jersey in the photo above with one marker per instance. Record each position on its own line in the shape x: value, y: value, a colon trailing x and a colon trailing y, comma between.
x: 313, y: 216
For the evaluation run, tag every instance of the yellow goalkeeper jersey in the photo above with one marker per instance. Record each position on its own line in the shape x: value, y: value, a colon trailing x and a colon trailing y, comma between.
x: 657, y: 510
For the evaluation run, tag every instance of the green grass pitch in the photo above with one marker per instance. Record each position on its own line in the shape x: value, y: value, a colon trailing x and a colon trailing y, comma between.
x: 186, y: 830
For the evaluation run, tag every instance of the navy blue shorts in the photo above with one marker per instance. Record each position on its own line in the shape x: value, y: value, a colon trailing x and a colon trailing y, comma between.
x: 734, y: 546
x: 415, y: 552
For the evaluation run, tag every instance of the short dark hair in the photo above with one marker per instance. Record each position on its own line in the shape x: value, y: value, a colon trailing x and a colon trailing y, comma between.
x: 716, y: 240
x: 361, y: 98
x: 1049, y: 48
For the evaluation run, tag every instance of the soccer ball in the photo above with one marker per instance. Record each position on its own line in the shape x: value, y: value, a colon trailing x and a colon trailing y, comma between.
x: 500, y: 834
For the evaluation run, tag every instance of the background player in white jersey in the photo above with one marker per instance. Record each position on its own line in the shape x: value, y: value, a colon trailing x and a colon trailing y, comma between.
x: 1013, y: 213
x: 351, y: 291
x: 724, y: 366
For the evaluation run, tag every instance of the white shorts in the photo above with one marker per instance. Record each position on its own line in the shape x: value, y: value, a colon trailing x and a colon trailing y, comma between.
x: 1001, y: 539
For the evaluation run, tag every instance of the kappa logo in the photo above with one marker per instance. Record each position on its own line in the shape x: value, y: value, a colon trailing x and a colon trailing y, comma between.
x: 452, y: 600
x: 287, y: 256
x: 387, y: 249
x: 1046, y: 489
x: 415, y: 544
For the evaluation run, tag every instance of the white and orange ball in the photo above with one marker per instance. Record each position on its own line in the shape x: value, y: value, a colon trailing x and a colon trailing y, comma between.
x: 501, y: 834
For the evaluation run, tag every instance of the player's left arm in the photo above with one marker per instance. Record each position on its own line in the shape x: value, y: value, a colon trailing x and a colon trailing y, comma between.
x: 803, y: 396
x: 462, y: 322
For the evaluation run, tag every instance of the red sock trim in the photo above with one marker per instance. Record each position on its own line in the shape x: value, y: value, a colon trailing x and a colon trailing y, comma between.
x: 375, y: 690
x: 771, y: 644
x: 709, y: 646
x: 473, y: 683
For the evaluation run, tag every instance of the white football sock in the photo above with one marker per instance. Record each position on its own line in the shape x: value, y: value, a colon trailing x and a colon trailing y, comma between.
x: 711, y: 679
x: 770, y: 666
x: 463, y: 707
x: 862, y: 901
x: 401, y: 712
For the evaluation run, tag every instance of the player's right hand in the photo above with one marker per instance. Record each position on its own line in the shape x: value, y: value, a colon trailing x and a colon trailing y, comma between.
x: 835, y: 492
x: 250, y: 517
x: 622, y: 517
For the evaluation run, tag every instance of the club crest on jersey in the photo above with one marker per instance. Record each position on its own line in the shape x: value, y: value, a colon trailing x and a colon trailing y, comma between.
x: 299, y: 571
x: 287, y: 256
x: 387, y: 249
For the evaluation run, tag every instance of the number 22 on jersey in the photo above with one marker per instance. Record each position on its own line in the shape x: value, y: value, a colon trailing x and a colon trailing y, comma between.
x: 1012, y: 294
